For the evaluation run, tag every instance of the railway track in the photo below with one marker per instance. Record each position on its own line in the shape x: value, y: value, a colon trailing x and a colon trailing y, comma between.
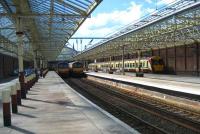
x: 188, y: 114
x: 143, y: 114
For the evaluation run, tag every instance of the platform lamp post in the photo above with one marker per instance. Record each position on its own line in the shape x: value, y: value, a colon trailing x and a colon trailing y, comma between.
x: 86, y: 63
x: 35, y: 64
x: 123, y: 49
x: 20, y: 34
x: 110, y: 65
x: 41, y: 67
x: 139, y: 73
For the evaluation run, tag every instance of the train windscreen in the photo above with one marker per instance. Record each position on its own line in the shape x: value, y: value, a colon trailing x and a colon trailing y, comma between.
x: 157, y: 62
x: 77, y: 65
x: 63, y: 65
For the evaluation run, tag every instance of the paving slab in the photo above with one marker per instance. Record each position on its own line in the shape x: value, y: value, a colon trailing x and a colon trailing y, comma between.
x: 52, y: 107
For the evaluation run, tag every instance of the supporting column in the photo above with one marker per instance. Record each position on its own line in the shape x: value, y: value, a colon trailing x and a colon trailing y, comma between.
x: 86, y: 62
x: 197, y: 57
x: 18, y: 94
x: 175, y: 60
x: 123, y: 48
x: 166, y: 58
x: 35, y: 65
x: 152, y: 52
x: 110, y: 70
x: 6, y: 107
x: 84, y: 65
x: 185, y: 57
x: 19, y: 34
x: 159, y: 51
x: 14, y: 98
x: 139, y: 73
x: 41, y: 69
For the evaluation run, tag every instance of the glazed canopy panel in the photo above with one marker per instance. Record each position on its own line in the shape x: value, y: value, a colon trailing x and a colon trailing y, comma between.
x: 46, y: 24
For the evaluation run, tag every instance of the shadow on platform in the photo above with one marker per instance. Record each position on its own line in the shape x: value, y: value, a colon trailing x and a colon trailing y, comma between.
x: 26, y: 115
x: 62, y: 103
x: 21, y: 130
x: 28, y: 107
x: 51, y: 102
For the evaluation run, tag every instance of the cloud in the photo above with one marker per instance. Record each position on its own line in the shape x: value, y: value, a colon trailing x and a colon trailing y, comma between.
x: 149, y: 1
x: 165, y: 2
x: 150, y: 10
x: 107, y: 22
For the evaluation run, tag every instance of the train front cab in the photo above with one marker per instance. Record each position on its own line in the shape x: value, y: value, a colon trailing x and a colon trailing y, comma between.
x: 63, y: 70
x: 76, y: 69
x: 157, y: 64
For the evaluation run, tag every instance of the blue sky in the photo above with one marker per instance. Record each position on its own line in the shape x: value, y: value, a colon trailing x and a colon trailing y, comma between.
x: 111, y: 15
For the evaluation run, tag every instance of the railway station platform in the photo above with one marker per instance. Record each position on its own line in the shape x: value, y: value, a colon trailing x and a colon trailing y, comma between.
x: 54, y: 107
x: 183, y: 85
x: 170, y: 77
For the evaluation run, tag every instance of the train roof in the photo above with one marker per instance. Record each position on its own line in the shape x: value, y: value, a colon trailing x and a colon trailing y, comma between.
x: 75, y: 62
x: 63, y: 62
x: 142, y: 58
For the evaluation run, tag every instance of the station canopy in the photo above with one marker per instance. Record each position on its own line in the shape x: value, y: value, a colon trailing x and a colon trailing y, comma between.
x: 47, y: 25
x: 173, y: 25
x: 67, y: 54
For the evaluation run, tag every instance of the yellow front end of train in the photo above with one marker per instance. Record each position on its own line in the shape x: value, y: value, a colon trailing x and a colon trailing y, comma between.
x: 76, y: 69
x: 157, y: 64
x: 63, y: 69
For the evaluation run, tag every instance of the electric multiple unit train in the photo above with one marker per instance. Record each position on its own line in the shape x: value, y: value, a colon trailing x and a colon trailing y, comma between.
x: 152, y: 64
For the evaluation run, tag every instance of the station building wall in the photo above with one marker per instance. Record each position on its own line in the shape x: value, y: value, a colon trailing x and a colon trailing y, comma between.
x: 8, y: 64
x: 184, y: 60
x: 181, y: 59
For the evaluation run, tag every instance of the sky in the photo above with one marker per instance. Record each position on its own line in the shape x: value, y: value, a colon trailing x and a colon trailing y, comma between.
x: 111, y: 15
